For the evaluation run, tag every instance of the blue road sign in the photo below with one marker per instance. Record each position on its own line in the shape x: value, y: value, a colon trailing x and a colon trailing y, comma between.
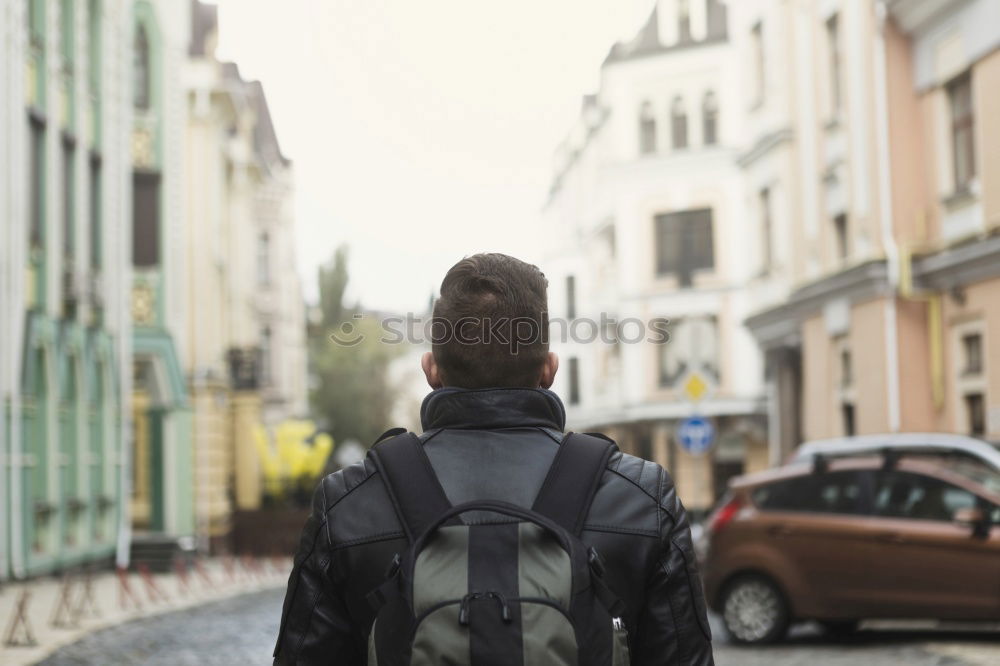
x: 696, y: 435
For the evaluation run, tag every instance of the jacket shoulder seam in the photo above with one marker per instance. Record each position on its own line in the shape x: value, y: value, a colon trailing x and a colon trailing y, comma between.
x: 347, y: 492
x: 656, y: 500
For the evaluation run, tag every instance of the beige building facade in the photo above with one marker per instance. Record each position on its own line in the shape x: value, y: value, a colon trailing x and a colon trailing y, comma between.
x: 892, y: 130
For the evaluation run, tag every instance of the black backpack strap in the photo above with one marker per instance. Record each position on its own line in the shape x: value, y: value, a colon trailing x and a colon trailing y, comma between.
x: 416, y: 493
x: 571, y: 483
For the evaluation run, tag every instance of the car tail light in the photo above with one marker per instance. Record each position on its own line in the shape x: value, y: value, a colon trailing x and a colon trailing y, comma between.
x: 724, y: 514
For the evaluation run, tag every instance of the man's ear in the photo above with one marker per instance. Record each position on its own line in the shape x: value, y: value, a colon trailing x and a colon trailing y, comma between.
x: 431, y: 370
x: 549, y: 369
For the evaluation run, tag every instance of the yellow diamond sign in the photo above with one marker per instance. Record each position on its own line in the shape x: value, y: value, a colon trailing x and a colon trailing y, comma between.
x: 695, y: 387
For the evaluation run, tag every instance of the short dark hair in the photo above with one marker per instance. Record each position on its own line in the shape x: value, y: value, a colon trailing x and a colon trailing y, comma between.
x: 490, y: 324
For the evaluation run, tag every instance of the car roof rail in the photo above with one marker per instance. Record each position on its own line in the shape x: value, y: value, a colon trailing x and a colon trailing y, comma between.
x: 889, y: 459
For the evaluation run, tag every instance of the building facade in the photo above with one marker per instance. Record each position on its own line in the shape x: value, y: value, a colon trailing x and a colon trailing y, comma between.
x: 647, y: 222
x: 150, y: 305
x: 162, y: 484
x: 879, y: 130
x: 244, y: 356
x: 65, y: 373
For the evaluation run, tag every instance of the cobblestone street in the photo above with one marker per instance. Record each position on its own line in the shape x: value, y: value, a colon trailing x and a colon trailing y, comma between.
x: 807, y: 645
x: 238, y: 631
x: 241, y: 632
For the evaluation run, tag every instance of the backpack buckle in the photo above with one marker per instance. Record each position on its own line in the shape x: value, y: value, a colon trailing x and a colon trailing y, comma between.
x: 595, y: 562
x: 393, y: 567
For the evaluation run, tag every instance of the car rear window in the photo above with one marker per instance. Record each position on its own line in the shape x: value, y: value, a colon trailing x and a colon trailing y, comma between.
x: 905, y: 495
x: 828, y: 492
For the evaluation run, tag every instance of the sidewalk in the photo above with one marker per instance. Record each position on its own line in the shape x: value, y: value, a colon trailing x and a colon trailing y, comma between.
x: 61, y: 611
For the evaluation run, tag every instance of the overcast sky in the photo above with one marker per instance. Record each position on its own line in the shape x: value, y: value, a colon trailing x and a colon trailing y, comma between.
x: 421, y: 130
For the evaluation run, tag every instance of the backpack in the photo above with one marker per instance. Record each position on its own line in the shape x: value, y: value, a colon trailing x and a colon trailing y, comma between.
x: 509, y: 586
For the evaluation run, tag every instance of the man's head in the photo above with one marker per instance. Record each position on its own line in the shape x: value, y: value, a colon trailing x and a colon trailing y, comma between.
x: 490, y: 326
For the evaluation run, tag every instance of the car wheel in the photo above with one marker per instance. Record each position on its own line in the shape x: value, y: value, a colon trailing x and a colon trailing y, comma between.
x: 754, y: 610
x: 840, y: 627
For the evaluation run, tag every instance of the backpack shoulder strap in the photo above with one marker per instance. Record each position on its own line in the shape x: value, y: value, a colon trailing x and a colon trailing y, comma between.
x: 570, y: 485
x: 414, y: 489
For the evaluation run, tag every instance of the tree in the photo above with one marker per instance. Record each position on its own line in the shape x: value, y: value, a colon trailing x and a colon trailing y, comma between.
x: 352, y: 392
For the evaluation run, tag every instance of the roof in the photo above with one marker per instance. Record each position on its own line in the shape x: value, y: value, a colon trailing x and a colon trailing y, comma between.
x: 647, y: 41
x: 204, y: 23
x: 265, y: 138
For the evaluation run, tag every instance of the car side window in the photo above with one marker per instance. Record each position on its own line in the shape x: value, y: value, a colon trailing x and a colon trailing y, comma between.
x: 828, y: 492
x: 907, y: 495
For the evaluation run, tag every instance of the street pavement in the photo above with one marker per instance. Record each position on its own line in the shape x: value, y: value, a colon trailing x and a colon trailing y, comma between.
x: 875, y: 644
x: 58, y: 612
x: 241, y: 631
x: 237, y: 631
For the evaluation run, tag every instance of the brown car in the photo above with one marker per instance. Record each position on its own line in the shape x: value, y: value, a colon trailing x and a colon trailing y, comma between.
x: 845, y: 539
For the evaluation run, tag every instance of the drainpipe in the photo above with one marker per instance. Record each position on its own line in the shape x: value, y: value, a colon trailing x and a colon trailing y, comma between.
x: 886, y: 217
x: 13, y: 340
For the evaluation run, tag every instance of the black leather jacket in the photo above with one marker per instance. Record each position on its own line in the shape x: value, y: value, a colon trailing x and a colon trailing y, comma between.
x: 496, y: 444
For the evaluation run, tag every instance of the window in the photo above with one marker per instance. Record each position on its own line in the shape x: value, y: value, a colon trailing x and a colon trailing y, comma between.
x: 570, y: 297
x: 574, y: 381
x: 647, y: 129
x: 975, y: 410
x: 95, y: 213
x: 710, y: 119
x: 716, y: 19
x: 906, y: 495
x: 833, y: 47
x: 145, y: 219
x: 263, y: 259
x: 683, y: 21
x: 141, y: 84
x: 672, y: 365
x: 684, y: 244
x: 848, y: 419
x: 757, y: 49
x: 36, y: 172
x: 842, y: 239
x: 972, y: 344
x: 678, y: 124
x: 766, y: 231
x: 846, y: 369
x: 68, y: 203
x: 962, y: 128
x: 830, y: 492
x: 644, y: 445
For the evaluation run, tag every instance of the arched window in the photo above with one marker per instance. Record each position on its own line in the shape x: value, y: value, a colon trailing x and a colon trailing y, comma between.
x: 710, y: 118
x: 678, y: 123
x: 683, y: 21
x: 264, y: 260
x: 141, y: 84
x: 647, y: 129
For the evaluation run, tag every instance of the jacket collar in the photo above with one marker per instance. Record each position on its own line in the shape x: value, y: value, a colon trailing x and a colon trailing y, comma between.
x: 492, y: 408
